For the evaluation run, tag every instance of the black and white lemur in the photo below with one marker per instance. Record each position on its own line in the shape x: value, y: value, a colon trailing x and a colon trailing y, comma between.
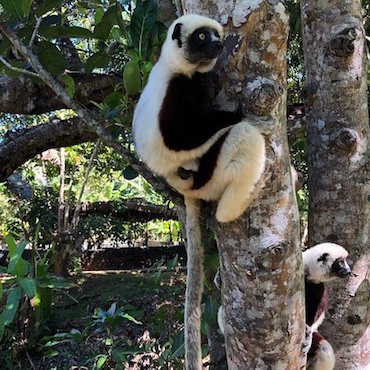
x: 322, y: 263
x: 202, y: 152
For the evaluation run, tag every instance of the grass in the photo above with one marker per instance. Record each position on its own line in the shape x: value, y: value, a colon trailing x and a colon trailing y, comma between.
x: 156, y: 302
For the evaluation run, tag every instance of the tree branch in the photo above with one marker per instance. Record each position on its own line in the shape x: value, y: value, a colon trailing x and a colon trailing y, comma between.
x: 15, y: 69
x: 20, y: 146
x: 90, y: 120
x: 76, y: 213
x: 130, y: 209
x: 23, y: 95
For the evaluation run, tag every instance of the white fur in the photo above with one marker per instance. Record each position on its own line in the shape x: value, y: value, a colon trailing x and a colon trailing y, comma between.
x: 324, y: 358
x: 319, y: 272
x: 242, y: 157
x: 220, y: 320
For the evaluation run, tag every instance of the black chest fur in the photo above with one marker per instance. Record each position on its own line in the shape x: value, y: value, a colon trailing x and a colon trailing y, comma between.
x: 183, y: 115
x: 316, y: 301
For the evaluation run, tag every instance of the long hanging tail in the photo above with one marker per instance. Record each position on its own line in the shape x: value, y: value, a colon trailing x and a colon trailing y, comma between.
x: 194, y: 286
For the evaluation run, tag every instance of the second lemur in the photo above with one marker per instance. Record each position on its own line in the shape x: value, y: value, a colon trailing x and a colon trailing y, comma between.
x: 322, y: 263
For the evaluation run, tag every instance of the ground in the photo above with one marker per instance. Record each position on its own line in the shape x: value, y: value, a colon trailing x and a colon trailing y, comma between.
x: 78, y: 337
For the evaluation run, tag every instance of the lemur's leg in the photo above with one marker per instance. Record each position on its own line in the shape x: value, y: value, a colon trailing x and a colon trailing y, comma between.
x: 321, y: 354
x: 242, y: 163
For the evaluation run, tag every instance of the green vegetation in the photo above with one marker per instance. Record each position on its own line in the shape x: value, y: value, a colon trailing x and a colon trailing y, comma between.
x: 110, y: 319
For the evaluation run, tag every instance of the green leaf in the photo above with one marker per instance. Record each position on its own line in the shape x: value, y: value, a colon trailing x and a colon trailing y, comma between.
x: 99, y: 13
x: 132, y: 78
x: 210, y: 311
x: 13, y: 7
x: 2, y: 325
x: 178, y: 346
x: 51, y: 58
x: 26, y: 7
x: 108, y: 20
x: 98, y: 60
x: 46, y: 6
x: 11, y: 305
x: 129, y: 173
x: 65, y: 31
x: 172, y: 264
x: 142, y: 22
x: 112, y: 309
x: 15, y: 257
x: 37, y: 232
x: 55, y: 282
x: 69, y: 83
x: 113, y: 99
x: 1, y: 290
x: 11, y: 244
x: 132, y: 319
x: 49, y: 21
x: 100, y: 361
x: 29, y: 286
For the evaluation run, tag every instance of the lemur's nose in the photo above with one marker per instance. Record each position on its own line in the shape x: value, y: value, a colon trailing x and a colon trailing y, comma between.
x: 219, y: 45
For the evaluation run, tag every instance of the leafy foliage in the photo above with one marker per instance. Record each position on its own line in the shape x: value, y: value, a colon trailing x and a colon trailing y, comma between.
x: 26, y: 286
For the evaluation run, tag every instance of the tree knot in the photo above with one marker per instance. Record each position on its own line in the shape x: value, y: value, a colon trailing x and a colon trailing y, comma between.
x: 347, y: 140
x: 262, y: 95
x: 343, y: 44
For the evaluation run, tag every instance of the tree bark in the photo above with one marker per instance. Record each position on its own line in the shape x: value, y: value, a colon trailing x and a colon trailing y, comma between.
x: 260, y: 258
x: 338, y: 138
x: 20, y: 146
x: 23, y: 95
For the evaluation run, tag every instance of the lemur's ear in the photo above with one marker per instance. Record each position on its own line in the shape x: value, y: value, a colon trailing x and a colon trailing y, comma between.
x: 176, y: 34
x: 323, y: 257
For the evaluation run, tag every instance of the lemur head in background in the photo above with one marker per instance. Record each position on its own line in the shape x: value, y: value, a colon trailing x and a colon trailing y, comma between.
x: 325, y: 262
x: 193, y: 44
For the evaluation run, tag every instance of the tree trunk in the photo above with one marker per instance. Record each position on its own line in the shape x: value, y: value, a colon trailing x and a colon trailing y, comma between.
x: 338, y: 138
x: 260, y: 257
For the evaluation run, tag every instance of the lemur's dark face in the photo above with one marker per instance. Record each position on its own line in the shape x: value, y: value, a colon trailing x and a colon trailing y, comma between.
x: 325, y: 262
x: 203, y: 45
x: 333, y: 266
x: 196, y: 44
x: 340, y: 268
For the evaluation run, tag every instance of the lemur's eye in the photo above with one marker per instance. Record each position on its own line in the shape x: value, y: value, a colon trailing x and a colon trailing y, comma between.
x: 202, y: 36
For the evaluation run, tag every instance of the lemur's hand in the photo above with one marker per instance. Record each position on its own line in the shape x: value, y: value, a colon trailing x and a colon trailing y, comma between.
x: 184, y: 174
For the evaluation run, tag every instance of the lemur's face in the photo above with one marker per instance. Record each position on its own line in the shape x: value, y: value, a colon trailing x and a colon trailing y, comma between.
x: 326, y: 262
x: 194, y: 43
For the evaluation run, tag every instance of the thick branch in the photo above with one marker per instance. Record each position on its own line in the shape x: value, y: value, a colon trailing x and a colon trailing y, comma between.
x: 23, y: 95
x: 20, y: 146
x: 130, y: 210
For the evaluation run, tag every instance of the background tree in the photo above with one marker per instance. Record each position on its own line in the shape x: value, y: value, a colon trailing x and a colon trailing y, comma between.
x: 337, y: 121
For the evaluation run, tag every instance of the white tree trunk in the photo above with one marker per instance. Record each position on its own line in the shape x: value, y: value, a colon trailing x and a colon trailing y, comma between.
x: 338, y: 135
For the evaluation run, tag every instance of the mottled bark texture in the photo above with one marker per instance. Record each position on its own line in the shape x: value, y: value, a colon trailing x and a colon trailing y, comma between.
x: 23, y: 95
x: 338, y: 133
x: 20, y: 146
x: 260, y: 257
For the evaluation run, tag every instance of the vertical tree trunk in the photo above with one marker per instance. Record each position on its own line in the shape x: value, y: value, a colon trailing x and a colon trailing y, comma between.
x: 338, y: 137
x: 260, y: 257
